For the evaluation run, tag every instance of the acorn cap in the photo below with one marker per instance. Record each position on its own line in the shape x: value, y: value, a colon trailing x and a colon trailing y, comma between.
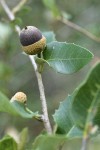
x: 32, y: 40
x: 20, y: 97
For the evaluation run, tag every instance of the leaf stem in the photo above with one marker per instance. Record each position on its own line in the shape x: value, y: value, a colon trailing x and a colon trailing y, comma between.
x: 38, y: 75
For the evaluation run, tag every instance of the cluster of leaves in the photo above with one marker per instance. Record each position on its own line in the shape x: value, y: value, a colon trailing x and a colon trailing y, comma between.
x: 77, y: 110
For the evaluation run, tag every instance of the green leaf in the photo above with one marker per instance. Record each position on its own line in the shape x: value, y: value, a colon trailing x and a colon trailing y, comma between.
x: 86, y: 104
x: 97, y: 105
x: 5, y: 105
x: 8, y: 143
x: 65, y: 57
x: 52, y: 6
x: 22, y: 110
x: 23, y: 139
x: 64, y: 120
x: 14, y: 108
x: 62, y: 116
x: 50, y: 36
x: 75, y: 132
x: 48, y: 142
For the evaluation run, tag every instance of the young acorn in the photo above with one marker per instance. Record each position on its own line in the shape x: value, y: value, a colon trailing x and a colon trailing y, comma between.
x: 20, y: 97
x: 32, y: 40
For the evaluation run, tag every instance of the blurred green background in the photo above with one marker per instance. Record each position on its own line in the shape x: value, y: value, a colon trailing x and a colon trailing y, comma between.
x: 16, y: 71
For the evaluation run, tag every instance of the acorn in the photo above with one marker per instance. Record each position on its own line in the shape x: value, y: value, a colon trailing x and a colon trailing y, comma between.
x: 20, y: 97
x: 32, y: 40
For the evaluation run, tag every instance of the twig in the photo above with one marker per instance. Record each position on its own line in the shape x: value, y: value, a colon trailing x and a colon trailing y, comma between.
x: 79, y: 29
x: 38, y: 75
x: 19, y: 6
x: 9, y: 14
x: 42, y: 96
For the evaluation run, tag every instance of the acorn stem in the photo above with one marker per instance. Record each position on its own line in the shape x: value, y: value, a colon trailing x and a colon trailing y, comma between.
x: 40, y: 65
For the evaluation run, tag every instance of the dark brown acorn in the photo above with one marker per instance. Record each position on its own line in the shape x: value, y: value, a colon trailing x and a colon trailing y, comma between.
x: 32, y: 40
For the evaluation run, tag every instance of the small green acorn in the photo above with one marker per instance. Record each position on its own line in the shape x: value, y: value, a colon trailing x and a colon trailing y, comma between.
x: 20, y: 97
x: 32, y: 40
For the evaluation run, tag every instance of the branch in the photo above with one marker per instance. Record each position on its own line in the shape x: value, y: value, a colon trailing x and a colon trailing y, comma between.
x: 79, y: 29
x: 19, y: 6
x: 42, y: 96
x: 38, y: 75
x: 9, y: 14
